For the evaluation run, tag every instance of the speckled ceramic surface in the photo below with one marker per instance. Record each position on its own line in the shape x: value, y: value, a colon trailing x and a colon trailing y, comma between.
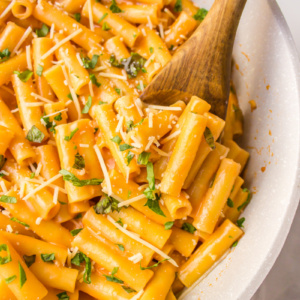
x: 267, y: 70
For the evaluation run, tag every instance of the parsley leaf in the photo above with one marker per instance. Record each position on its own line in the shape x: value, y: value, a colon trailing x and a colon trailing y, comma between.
x: 90, y: 63
x: 209, y: 138
x: 169, y: 225
x: 116, y: 139
x: 68, y: 138
x: 121, y: 247
x: 10, y: 279
x: 230, y: 203
x: 188, y: 227
x: 63, y: 296
x: 80, y: 258
x: 22, y: 275
x: 103, y: 17
x: 24, y: 76
x: 114, y: 7
x: 74, y: 232
x: 48, y: 257
x: 39, y: 70
x: 105, y: 27
x: 79, y: 163
x: 112, y: 277
x: 240, y: 222
x: 120, y: 222
x: 125, y: 147
x: 200, y: 14
x: 88, y: 105
x: 153, y: 266
x: 118, y: 91
x: 243, y: 205
x: 106, y: 205
x: 68, y: 176
x: 35, y: 135
x: 18, y: 221
x: 94, y: 80
x: 29, y: 260
x: 58, y: 117
x: 143, y: 158
x: 129, y: 157
x: 234, y: 244
x: 128, y: 289
x: 4, y: 55
x: 150, y: 176
x: 77, y: 17
x: 133, y: 64
x: 6, y: 259
x: 8, y: 199
x: 43, y: 31
x: 154, y: 204
x: 178, y: 6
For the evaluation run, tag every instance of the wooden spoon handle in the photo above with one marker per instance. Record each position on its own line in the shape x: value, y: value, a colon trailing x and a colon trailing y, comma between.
x: 201, y: 66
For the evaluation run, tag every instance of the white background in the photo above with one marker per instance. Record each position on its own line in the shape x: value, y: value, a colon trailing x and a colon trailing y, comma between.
x: 283, y: 281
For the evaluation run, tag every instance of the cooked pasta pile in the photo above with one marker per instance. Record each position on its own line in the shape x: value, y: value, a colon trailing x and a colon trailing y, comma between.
x: 103, y: 196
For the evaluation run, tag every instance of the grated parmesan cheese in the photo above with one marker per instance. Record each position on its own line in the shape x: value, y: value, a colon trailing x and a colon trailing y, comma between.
x: 139, y: 105
x: 136, y: 258
x: 91, y: 88
x: 120, y: 124
x: 7, y: 9
x: 138, y: 295
x: 170, y: 137
x: 55, y: 113
x: 28, y: 58
x: 150, y: 120
x: 59, y: 44
x: 55, y: 196
x: 3, y: 186
x: 91, y: 21
x: 22, y: 39
x: 9, y: 228
x: 38, y: 221
x: 14, y: 110
x: 151, y: 140
x: 84, y: 145
x: 137, y: 198
x: 44, y: 184
x: 145, y: 243
x: 159, y: 151
x: 37, y: 96
x: 151, y: 58
x: 104, y: 170
x: 112, y: 75
x: 52, y: 30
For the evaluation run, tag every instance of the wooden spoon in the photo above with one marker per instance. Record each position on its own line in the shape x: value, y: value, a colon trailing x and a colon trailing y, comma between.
x: 201, y: 66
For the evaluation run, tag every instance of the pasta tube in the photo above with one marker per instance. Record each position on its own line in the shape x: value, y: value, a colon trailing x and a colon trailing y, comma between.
x: 209, y: 252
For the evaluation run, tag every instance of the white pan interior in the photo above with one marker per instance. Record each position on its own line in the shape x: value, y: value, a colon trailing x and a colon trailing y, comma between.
x: 268, y: 72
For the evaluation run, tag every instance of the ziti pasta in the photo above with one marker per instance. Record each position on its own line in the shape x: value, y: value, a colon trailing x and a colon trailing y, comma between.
x: 103, y: 196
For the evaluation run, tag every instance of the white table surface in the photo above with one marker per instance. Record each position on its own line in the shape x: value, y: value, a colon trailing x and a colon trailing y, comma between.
x: 283, y: 281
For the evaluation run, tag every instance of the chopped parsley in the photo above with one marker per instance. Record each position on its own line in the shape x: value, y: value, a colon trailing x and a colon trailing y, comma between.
x: 118, y: 91
x: 58, y: 117
x: 125, y: 147
x: 129, y: 157
x: 200, y: 14
x: 77, y: 17
x: 18, y: 221
x: 35, y: 135
x: 2, y: 161
x: 74, y: 232
x: 80, y: 258
x: 29, y: 260
x: 103, y: 17
x: 4, y: 55
x: 121, y: 247
x: 10, y: 279
x: 115, y: 8
x: 90, y: 63
x: 39, y: 70
x: 169, y: 225
x: 114, y: 62
x: 43, y: 31
x: 48, y: 257
x: 209, y: 138
x: 240, y: 222
x: 6, y: 259
x: 143, y: 158
x: 243, y: 205
x: 94, y: 80
x: 79, y: 162
x: 68, y: 176
x: 68, y: 138
x: 87, y: 106
x: 116, y: 139
x: 178, y: 6
x: 105, y: 27
x: 153, y: 266
x: 133, y: 64
x: 63, y: 296
x: 22, y: 275
x: 230, y: 203
x: 112, y: 277
x: 128, y: 289
x: 106, y: 205
x: 151, y: 49
x: 188, y: 227
x: 8, y: 199
x: 24, y: 76
x: 234, y: 244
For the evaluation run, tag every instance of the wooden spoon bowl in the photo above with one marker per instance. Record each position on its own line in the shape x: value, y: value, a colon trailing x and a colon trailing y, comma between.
x: 201, y: 66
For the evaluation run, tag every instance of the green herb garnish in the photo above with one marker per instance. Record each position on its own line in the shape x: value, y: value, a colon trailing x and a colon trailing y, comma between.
x: 68, y: 176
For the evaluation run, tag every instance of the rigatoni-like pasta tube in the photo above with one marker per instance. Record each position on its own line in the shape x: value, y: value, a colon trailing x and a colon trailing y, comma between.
x: 22, y: 9
x: 209, y: 252
x: 210, y: 208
